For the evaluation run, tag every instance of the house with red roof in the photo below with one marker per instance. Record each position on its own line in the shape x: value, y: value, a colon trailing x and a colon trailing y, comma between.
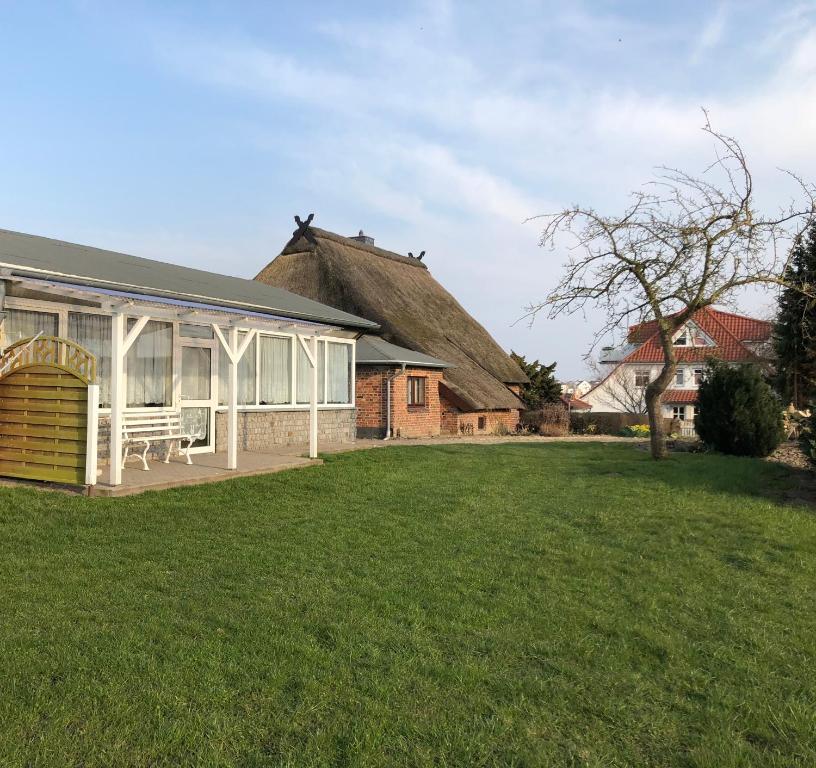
x: 709, y: 333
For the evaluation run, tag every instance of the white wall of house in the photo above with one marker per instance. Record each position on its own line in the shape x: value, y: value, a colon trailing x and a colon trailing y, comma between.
x: 623, y: 390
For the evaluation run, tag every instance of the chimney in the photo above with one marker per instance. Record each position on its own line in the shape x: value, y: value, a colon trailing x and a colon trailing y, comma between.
x: 363, y: 238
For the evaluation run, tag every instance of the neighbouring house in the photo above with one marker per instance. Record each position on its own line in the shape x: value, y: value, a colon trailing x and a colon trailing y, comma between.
x: 576, y: 388
x: 478, y: 390
x: 574, y: 403
x: 710, y: 333
x: 245, y: 365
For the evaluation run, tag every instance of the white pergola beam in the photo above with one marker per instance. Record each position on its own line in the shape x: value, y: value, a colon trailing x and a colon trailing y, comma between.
x: 308, y: 352
x: 133, y: 333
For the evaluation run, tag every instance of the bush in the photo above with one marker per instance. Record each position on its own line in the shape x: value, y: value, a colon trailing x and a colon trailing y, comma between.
x: 738, y: 412
x: 549, y: 420
x: 589, y: 423
x: 636, y: 430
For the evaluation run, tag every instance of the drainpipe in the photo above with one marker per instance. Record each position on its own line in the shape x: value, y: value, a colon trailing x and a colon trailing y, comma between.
x: 388, y: 380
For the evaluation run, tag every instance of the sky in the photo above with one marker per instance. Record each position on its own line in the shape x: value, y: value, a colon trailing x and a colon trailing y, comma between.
x: 193, y: 132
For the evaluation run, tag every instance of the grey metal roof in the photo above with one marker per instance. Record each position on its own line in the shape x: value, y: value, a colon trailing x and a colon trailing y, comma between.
x: 373, y: 350
x: 34, y: 256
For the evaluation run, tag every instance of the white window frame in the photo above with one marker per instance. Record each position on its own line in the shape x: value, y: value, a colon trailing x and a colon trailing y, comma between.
x: 638, y: 372
x: 680, y: 377
x: 61, y: 309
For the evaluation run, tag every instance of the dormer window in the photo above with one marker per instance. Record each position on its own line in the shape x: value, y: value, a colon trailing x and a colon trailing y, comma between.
x: 682, y: 339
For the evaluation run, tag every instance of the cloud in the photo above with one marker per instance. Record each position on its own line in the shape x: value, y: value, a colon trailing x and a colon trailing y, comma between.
x: 453, y: 136
x: 711, y: 33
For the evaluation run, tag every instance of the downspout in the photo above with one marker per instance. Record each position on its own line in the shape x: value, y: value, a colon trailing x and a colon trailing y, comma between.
x: 388, y: 380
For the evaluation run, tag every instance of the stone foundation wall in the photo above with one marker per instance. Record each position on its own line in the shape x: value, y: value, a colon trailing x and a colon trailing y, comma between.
x: 262, y: 430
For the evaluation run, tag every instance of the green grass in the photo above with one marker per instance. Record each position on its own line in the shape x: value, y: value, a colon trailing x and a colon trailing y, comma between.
x: 452, y: 605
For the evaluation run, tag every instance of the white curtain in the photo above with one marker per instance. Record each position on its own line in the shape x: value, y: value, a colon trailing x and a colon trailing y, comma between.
x: 338, y: 382
x: 246, y: 373
x: 304, y: 373
x: 195, y: 373
x: 94, y: 333
x: 149, y: 366
x: 276, y: 370
x: 23, y: 323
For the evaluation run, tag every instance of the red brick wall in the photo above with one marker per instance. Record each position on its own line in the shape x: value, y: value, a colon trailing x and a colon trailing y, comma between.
x: 370, y: 396
x: 406, y: 421
x: 416, y: 420
x: 456, y: 422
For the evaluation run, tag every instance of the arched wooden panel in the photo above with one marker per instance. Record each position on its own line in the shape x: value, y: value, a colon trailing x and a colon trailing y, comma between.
x: 44, y: 410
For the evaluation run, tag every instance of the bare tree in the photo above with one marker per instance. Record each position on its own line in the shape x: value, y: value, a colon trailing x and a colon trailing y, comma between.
x: 684, y: 244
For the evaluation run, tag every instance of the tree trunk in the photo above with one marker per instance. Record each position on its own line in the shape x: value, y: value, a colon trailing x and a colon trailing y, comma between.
x: 654, y: 407
x: 657, y: 435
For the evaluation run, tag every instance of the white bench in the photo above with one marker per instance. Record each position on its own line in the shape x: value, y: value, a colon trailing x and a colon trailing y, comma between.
x: 147, y: 429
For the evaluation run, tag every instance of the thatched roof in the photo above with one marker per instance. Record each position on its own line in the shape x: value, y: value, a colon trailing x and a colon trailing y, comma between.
x: 413, y: 310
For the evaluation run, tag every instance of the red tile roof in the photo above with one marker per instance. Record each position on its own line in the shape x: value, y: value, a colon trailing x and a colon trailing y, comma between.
x: 575, y: 403
x: 679, y: 396
x: 727, y: 330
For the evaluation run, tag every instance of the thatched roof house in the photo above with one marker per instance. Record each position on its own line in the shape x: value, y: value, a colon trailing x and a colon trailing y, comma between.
x: 412, y: 308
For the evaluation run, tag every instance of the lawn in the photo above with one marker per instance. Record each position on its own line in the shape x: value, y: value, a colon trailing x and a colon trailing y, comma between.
x: 557, y: 604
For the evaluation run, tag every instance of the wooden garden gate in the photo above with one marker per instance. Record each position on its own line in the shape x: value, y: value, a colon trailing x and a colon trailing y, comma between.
x: 44, y: 406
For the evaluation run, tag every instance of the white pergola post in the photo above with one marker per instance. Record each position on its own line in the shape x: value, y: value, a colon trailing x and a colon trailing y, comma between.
x: 234, y: 355
x: 311, y: 355
x: 120, y: 344
x: 117, y: 397
x: 92, y: 434
x: 232, y: 415
x: 313, y: 404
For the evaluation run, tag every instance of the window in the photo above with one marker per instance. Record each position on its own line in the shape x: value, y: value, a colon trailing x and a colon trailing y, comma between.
x: 641, y: 378
x: 698, y: 376
x: 276, y: 370
x: 196, y: 368
x: 679, y: 412
x: 246, y: 374
x: 304, y: 374
x: 149, y: 366
x: 94, y: 333
x: 189, y: 331
x: 338, y: 373
x: 22, y: 323
x: 682, y: 339
x: 481, y: 423
x: 679, y: 377
x: 416, y: 390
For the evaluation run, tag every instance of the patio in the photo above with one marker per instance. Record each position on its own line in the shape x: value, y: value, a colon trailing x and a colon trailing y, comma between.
x: 206, y: 468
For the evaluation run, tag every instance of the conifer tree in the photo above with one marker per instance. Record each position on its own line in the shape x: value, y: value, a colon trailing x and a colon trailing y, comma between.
x: 543, y: 388
x: 737, y: 411
x: 795, y: 328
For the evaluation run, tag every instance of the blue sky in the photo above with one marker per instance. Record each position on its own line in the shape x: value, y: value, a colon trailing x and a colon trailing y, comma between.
x: 192, y: 132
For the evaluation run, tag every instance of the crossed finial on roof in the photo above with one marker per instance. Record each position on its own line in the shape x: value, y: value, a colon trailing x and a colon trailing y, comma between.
x: 303, y: 229
x: 418, y: 258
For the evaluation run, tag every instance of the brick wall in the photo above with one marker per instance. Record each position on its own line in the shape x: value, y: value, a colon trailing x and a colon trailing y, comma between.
x: 406, y: 420
x: 416, y: 420
x: 370, y: 398
x: 455, y: 421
